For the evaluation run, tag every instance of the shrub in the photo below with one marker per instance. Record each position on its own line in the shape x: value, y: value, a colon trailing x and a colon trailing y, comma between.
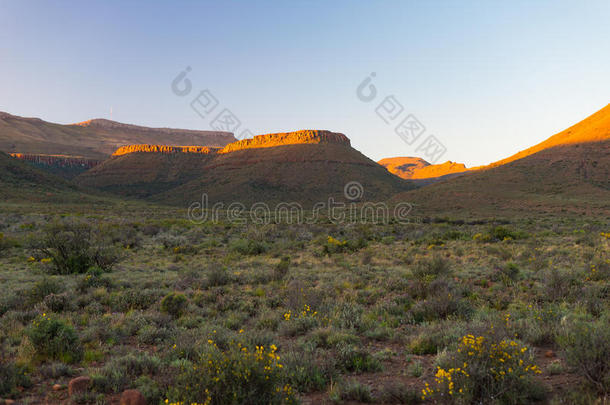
x: 438, y: 307
x: 431, y: 268
x: 235, y: 375
x: 442, y: 300
x: 118, y: 373
x: 57, y: 302
x: 74, y: 247
x: 560, y: 284
x: 92, y: 279
x: 511, y: 271
x: 149, y: 389
x: 354, y: 391
x: 332, y: 245
x: 586, y: 345
x: 42, y: 288
x: 306, y: 374
x: 56, y: 370
x: 484, y: 370
x: 415, y: 369
x: 396, y: 393
x: 5, y: 243
x: 501, y: 233
x: 218, y: 276
x: 174, y: 304
x: 434, y: 338
x: 54, y: 339
x: 356, y: 360
x: 11, y: 377
x: 281, y: 269
x: 349, y: 315
x: 128, y: 299
x: 248, y: 247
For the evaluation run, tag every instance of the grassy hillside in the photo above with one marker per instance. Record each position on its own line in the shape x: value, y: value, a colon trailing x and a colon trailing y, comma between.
x: 301, y: 173
x: 144, y: 174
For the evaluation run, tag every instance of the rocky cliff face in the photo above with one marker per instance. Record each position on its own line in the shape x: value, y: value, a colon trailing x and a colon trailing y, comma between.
x: 259, y: 141
x: 288, y: 138
x: 57, y: 160
x: 164, y: 149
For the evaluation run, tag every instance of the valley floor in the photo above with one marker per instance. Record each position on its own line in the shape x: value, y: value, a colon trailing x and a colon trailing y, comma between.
x: 514, y: 311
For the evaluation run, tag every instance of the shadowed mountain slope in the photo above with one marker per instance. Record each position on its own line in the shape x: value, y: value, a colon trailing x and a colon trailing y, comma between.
x: 21, y: 182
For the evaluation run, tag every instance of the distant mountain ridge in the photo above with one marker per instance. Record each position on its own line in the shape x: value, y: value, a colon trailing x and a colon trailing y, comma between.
x: 94, y: 139
x: 414, y: 168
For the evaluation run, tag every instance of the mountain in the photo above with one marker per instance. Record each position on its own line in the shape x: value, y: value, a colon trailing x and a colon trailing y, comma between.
x: 21, y: 182
x: 94, y: 139
x: 304, y: 166
x: 414, y: 168
x: 64, y: 166
x: 145, y: 170
x: 568, y: 172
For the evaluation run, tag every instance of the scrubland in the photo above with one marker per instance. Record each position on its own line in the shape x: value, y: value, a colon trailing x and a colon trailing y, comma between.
x: 486, y: 311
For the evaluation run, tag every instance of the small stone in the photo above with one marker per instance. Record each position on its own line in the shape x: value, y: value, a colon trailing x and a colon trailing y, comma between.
x: 549, y: 354
x: 57, y: 387
x: 132, y: 397
x: 79, y: 385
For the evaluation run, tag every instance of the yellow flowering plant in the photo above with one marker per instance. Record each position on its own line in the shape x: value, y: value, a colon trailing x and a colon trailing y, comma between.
x: 484, y: 370
x: 235, y: 375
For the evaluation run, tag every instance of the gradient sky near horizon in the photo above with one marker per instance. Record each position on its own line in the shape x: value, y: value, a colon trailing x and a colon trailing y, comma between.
x: 486, y: 78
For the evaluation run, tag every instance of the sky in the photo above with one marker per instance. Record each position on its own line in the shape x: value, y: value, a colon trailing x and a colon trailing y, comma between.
x: 485, y: 79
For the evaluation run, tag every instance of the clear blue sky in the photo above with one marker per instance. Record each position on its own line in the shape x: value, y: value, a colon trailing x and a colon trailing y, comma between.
x: 486, y: 78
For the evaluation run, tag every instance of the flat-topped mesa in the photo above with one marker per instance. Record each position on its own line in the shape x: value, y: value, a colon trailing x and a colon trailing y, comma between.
x: 204, y: 150
x: 288, y: 138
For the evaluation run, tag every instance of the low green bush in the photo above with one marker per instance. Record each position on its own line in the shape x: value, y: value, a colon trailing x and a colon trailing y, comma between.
x: 6, y: 243
x: 174, y: 304
x: 218, y: 276
x: 306, y: 374
x: 54, y: 339
x: 397, y: 393
x: 586, y: 345
x: 355, y: 391
x: 94, y: 278
x: 234, y: 375
x: 74, y: 247
x: 12, y: 377
x: 43, y: 287
x: 356, y: 360
x: 431, y: 268
x: 333, y: 245
x: 119, y: 372
x: 248, y: 247
x: 281, y: 269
